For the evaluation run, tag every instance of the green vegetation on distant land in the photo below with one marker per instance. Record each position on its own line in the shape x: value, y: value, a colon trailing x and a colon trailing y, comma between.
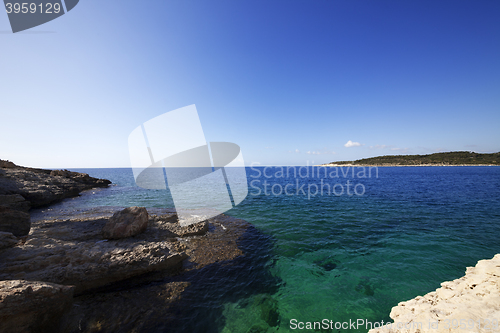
x: 450, y: 158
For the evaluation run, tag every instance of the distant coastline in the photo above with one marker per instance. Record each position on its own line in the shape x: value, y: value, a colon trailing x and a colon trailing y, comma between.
x: 459, y: 158
x: 334, y: 164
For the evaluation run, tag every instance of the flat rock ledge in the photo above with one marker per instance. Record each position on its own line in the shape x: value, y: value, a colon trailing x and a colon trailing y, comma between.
x: 115, y: 285
x: 468, y: 304
x: 74, y: 252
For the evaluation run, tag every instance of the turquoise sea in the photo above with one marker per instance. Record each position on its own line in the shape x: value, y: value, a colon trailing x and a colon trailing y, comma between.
x: 340, y: 257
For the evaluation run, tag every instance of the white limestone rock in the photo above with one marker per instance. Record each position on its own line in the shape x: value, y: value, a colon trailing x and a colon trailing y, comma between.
x: 468, y: 304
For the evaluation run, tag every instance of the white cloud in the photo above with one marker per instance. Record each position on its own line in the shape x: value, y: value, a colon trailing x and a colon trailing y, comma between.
x: 352, y: 144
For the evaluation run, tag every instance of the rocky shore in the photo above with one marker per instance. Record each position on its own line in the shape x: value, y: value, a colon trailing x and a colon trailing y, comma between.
x: 468, y: 304
x: 74, y: 254
x: 23, y: 188
x: 40, y: 187
x: 118, y: 272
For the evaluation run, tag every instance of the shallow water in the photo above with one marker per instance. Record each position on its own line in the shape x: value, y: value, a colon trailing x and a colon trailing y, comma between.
x: 336, y: 257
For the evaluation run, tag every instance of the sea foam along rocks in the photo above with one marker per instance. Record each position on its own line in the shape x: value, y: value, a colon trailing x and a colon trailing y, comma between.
x: 32, y: 306
x: 468, y: 304
x: 128, y: 222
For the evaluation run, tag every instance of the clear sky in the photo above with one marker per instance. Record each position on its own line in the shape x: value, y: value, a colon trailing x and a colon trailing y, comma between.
x: 291, y: 82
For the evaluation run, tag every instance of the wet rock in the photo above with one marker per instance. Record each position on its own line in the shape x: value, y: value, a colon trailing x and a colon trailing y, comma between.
x: 15, y: 201
x: 472, y: 299
x: 14, y: 221
x: 32, y: 306
x: 126, y: 223
x: 219, y: 244
x: 146, y: 309
x: 196, y: 229
x: 7, y: 239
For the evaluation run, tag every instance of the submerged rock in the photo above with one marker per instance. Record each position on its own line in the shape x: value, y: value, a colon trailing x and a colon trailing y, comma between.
x: 468, y: 304
x: 145, y: 309
x: 327, y: 264
x: 126, y: 223
x: 32, y: 306
x: 268, y: 307
x: 365, y: 287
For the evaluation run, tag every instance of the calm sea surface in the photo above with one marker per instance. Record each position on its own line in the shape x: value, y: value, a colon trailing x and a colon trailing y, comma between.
x: 375, y: 240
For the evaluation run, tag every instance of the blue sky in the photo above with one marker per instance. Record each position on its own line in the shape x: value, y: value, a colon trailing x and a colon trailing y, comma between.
x: 291, y: 82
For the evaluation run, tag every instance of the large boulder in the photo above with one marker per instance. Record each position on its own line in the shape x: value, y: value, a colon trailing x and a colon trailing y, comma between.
x: 15, y: 201
x: 14, y: 221
x: 32, y: 306
x: 7, y: 239
x: 126, y: 223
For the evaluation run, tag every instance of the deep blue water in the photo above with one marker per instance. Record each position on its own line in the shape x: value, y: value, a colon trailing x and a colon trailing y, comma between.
x: 401, y: 232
